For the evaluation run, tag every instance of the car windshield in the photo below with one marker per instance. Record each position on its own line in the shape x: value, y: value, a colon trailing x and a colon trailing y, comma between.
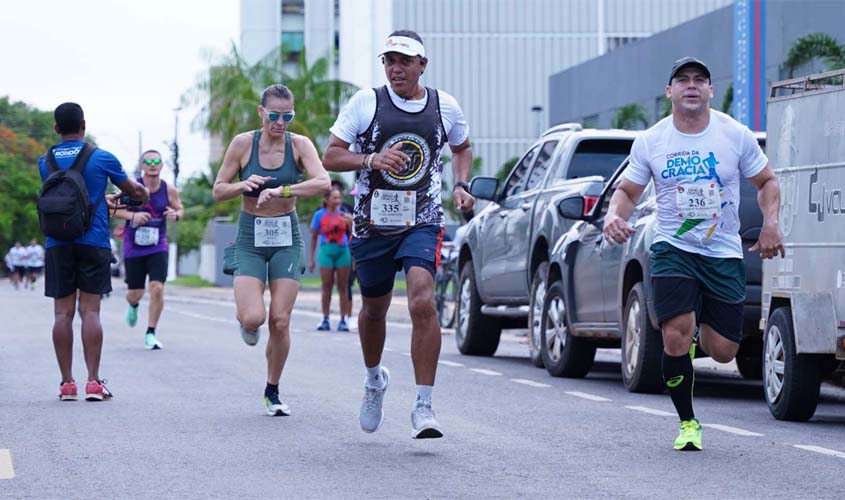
x: 598, y: 157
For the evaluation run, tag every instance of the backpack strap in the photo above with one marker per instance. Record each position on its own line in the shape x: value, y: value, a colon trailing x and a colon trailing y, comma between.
x: 78, y: 163
x: 82, y: 158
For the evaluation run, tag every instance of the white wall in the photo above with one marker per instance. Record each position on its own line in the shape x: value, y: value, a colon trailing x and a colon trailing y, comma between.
x: 260, y: 28
x: 364, y: 26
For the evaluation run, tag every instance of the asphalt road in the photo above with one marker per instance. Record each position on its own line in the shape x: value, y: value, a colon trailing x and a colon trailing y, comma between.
x: 188, y: 421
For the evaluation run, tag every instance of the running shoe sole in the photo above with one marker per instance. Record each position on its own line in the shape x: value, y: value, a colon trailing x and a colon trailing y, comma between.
x: 68, y: 397
x: 689, y: 447
x: 94, y: 397
x: 427, y: 433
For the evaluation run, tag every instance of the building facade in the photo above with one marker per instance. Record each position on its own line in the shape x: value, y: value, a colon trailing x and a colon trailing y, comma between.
x: 638, y: 73
x: 494, y: 56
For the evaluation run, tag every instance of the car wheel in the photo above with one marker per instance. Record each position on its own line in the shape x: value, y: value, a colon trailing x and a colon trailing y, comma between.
x: 749, y: 359
x: 791, y: 380
x: 535, y: 313
x: 563, y: 355
x: 642, y: 346
x: 475, y: 333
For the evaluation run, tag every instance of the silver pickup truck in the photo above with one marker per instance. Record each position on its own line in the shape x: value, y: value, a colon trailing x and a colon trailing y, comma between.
x: 504, y: 256
x: 803, y: 307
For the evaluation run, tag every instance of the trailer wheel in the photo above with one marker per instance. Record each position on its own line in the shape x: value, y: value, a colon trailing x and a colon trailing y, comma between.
x: 791, y: 381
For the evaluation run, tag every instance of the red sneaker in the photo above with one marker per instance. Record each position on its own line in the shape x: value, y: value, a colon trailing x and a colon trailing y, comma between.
x: 96, y: 390
x: 67, y: 391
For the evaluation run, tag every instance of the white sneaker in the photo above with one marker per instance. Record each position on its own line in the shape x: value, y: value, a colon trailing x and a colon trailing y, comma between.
x: 275, y: 407
x: 371, y: 415
x: 423, y: 423
x: 250, y: 337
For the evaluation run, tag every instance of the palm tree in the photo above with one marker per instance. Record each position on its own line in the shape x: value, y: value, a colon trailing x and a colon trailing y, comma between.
x: 728, y: 100
x: 812, y: 46
x: 630, y: 117
x: 229, y: 93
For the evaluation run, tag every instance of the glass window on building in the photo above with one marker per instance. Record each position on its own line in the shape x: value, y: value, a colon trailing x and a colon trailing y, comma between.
x: 293, y: 7
x: 292, y: 44
x: 615, y: 42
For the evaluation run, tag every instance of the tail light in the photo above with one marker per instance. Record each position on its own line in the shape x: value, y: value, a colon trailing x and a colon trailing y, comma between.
x: 589, y: 204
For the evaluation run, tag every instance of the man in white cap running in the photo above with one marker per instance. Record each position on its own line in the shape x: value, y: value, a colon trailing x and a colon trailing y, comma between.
x: 399, y: 131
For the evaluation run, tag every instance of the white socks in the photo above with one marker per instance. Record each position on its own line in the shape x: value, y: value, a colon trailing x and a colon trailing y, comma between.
x: 374, y: 377
x: 424, y: 393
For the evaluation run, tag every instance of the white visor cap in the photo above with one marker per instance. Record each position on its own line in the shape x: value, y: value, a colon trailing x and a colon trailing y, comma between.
x: 403, y: 45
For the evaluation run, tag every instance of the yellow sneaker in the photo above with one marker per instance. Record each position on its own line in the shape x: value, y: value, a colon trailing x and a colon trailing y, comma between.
x: 689, y: 439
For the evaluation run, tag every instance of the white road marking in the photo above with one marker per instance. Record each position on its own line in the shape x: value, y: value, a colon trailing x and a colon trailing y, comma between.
x: 387, y: 349
x: 529, y: 382
x: 405, y: 354
x: 206, y: 317
x: 483, y: 371
x: 732, y: 430
x: 584, y: 395
x: 449, y: 363
x: 816, y: 449
x: 651, y: 411
x: 296, y: 312
x: 7, y: 471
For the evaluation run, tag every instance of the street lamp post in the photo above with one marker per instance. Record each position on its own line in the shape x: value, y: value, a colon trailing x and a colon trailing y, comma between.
x: 174, y: 148
x: 538, y: 113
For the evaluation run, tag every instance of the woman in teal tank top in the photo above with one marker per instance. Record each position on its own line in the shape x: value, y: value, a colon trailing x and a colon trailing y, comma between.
x: 269, y: 164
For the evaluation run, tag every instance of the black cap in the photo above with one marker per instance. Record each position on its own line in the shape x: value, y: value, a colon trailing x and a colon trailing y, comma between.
x: 688, y: 61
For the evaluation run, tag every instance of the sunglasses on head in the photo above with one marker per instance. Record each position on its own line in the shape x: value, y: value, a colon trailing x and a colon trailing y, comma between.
x: 152, y: 161
x: 274, y: 116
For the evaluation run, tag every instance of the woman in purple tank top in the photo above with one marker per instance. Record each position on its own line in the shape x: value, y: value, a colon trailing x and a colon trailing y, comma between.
x: 145, y: 250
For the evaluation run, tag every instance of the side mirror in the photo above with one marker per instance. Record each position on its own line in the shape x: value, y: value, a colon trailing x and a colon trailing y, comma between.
x: 484, y: 188
x: 572, y: 208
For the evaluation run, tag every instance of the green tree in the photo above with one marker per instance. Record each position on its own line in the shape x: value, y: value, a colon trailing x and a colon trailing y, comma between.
x: 728, y: 100
x: 815, y: 46
x: 506, y: 168
x: 25, y: 133
x: 631, y: 117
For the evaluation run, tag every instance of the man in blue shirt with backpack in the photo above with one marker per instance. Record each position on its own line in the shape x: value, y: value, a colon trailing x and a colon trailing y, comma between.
x: 75, y: 220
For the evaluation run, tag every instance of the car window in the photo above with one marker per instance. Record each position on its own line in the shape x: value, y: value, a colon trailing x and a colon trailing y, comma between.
x: 515, y: 180
x: 541, y: 166
x: 597, y: 157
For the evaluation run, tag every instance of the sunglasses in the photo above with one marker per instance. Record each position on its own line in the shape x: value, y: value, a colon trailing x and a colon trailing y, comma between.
x: 274, y: 116
x: 152, y: 161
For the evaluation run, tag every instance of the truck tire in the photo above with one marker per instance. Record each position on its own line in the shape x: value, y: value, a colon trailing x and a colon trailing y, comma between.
x: 475, y: 333
x: 749, y: 358
x: 536, y: 298
x: 791, y: 381
x: 642, y: 346
x: 563, y: 354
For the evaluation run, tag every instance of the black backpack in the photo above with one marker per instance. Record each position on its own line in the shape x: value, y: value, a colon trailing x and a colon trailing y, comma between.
x: 65, y: 211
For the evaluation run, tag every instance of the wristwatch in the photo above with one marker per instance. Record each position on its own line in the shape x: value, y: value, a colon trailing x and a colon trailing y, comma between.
x: 461, y: 184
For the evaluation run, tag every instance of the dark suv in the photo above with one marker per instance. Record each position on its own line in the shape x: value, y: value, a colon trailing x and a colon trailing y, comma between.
x: 600, y: 295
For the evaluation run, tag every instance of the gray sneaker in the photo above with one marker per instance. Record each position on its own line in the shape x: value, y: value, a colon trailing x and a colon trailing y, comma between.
x: 423, y: 424
x: 371, y: 414
x: 250, y: 337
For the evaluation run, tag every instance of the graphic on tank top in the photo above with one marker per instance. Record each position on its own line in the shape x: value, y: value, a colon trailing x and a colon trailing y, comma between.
x: 415, y: 190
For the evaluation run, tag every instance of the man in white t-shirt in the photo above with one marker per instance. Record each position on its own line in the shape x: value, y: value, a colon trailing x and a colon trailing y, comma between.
x: 35, y: 262
x: 18, y: 259
x: 399, y: 131
x: 695, y: 158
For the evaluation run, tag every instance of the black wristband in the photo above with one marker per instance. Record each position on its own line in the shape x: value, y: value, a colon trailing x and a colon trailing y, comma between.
x: 461, y: 184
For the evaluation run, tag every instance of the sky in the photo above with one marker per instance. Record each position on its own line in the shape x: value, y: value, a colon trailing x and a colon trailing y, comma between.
x: 126, y: 62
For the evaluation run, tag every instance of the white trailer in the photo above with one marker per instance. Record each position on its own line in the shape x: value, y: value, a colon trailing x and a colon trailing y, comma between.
x: 803, y: 306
